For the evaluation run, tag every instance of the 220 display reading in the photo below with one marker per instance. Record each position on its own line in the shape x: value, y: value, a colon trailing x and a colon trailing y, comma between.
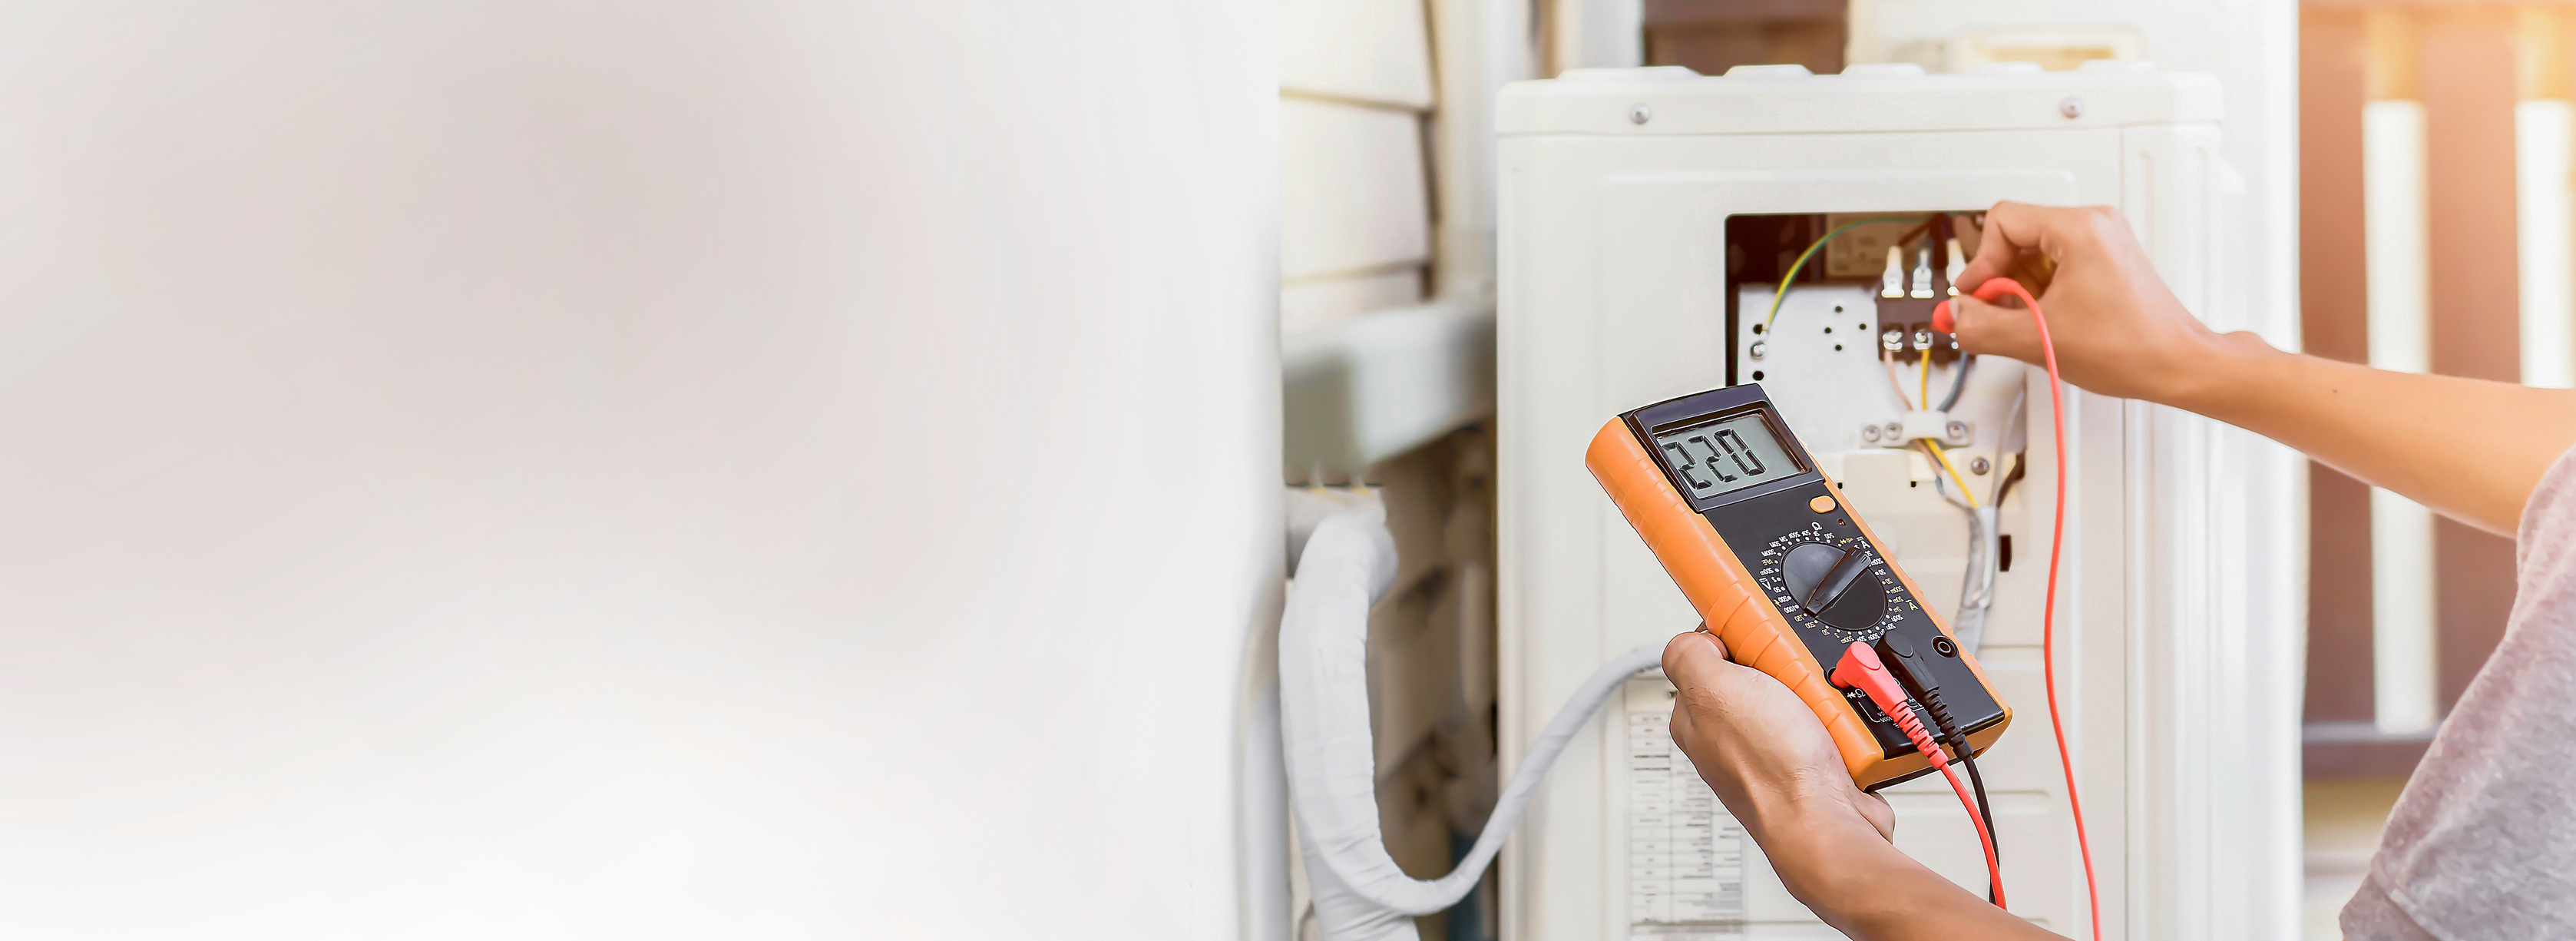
x: 1724, y: 456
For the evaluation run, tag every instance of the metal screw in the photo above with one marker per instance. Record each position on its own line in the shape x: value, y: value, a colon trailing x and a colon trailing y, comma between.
x: 1757, y: 350
x: 1923, y: 339
x: 1979, y: 466
x: 1640, y: 114
x: 1956, y: 428
x: 1892, y: 340
x: 1895, y: 431
x: 1869, y: 432
x: 2072, y: 108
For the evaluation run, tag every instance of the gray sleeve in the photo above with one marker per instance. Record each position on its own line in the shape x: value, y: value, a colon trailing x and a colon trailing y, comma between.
x: 2482, y: 844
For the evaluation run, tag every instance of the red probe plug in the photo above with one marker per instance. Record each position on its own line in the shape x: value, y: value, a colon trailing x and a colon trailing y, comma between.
x: 1860, y: 667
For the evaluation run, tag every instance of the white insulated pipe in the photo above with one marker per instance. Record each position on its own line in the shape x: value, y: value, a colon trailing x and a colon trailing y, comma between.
x: 1360, y: 893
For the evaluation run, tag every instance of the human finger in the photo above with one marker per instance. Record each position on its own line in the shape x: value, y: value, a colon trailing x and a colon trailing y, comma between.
x: 1693, y: 656
x: 1984, y: 328
x: 1874, y: 809
x: 2006, y: 234
x: 2013, y: 230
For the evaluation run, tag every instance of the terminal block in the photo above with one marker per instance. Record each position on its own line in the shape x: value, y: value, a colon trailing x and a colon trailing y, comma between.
x: 1911, y: 287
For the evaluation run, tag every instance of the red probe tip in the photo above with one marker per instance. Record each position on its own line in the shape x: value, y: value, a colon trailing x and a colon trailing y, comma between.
x: 1942, y: 320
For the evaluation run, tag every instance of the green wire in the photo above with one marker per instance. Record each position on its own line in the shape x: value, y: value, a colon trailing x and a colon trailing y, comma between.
x: 1782, y: 293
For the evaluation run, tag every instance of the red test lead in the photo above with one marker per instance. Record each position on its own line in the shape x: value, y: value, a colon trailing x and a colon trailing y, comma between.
x: 1994, y: 290
x: 1860, y: 668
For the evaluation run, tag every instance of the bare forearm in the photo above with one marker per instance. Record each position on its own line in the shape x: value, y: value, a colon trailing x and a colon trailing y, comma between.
x: 1869, y: 890
x: 2470, y: 449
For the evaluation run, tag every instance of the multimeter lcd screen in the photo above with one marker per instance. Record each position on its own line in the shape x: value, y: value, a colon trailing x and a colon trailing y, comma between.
x: 1725, y: 456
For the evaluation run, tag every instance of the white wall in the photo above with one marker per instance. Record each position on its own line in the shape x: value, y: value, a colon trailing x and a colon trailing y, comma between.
x: 553, y: 469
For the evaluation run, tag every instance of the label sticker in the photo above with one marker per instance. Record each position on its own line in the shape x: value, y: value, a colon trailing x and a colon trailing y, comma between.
x: 1685, y: 852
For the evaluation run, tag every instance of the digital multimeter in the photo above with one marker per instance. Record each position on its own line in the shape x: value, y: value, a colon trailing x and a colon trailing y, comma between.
x: 1782, y: 571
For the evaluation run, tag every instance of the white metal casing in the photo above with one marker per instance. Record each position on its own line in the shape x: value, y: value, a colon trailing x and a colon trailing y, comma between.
x: 2181, y: 593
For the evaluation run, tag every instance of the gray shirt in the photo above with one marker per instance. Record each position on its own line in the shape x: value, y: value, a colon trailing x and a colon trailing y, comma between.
x: 2482, y: 844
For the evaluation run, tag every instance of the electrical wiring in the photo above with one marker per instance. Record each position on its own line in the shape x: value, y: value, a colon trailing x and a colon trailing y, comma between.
x: 1958, y: 742
x: 2004, y: 488
x: 1782, y: 292
x: 1944, y: 458
x: 2012, y: 423
x: 1958, y: 502
x: 1940, y: 458
x: 1923, y: 372
x: 1985, y: 539
x: 1896, y: 384
x: 1986, y: 812
x: 1994, y: 291
x: 1984, y: 823
x: 1958, y: 383
x: 1977, y: 584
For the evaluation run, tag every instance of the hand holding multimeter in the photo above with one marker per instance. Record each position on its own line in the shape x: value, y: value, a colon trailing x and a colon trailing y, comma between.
x: 1789, y: 577
x: 1831, y: 844
x: 1793, y: 584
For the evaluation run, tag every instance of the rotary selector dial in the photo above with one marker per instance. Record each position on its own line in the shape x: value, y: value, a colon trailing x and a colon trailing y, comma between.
x: 1835, y: 584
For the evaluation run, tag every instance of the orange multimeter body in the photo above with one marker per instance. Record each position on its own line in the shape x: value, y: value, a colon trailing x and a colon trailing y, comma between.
x: 1788, y: 576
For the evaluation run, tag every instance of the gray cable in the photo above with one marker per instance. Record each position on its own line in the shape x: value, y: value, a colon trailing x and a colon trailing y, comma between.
x: 1958, y: 383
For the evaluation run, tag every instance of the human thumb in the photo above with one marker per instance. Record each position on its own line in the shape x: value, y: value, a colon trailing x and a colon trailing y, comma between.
x: 1691, y: 655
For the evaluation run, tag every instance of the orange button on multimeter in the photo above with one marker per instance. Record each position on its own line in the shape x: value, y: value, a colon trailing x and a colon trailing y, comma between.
x: 1746, y: 525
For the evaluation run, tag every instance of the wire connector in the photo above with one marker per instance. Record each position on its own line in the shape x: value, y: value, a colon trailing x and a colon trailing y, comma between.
x: 1958, y: 266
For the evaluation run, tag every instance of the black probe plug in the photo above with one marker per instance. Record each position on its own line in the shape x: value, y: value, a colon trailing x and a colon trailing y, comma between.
x: 1916, y: 676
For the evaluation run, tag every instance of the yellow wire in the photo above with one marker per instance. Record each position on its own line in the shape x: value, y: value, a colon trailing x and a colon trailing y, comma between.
x: 1944, y: 458
x: 1925, y: 396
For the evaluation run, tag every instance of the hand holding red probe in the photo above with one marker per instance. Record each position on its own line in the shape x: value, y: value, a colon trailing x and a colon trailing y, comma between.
x: 2118, y: 329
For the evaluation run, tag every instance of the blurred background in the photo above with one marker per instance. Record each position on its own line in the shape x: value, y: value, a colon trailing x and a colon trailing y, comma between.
x: 1386, y: 228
